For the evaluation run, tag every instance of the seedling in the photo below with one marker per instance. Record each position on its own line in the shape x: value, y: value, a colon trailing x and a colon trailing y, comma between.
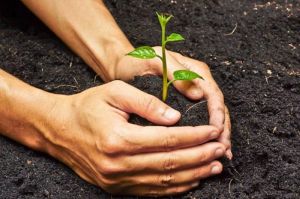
x: 147, y: 52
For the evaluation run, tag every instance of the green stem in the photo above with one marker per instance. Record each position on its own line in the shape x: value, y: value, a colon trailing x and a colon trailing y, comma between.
x: 170, y: 82
x: 164, y: 62
x: 159, y: 57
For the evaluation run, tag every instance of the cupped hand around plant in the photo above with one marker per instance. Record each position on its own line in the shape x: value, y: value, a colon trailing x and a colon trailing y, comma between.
x: 128, y: 67
x: 90, y: 132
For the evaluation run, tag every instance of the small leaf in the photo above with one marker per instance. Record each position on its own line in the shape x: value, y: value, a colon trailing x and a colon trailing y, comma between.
x: 186, y: 75
x: 163, y: 18
x: 168, y: 17
x: 175, y: 37
x: 143, y: 52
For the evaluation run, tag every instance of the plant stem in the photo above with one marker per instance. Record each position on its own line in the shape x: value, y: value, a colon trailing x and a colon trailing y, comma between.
x: 170, y: 82
x: 164, y: 62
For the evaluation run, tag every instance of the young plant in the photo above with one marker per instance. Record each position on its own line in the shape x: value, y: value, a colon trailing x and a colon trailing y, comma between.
x: 147, y: 52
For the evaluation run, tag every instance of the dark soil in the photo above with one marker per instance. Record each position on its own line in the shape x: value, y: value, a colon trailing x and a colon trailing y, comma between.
x: 257, y: 66
x: 193, y: 113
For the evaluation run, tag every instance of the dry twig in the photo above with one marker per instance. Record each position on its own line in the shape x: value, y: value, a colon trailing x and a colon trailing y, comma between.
x: 194, y: 105
x: 234, y: 29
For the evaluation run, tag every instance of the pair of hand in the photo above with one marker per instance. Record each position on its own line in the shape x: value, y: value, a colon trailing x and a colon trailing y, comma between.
x: 127, y: 68
x: 90, y: 132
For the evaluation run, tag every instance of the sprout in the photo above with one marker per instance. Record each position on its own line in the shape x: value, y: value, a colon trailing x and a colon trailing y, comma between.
x: 147, y: 52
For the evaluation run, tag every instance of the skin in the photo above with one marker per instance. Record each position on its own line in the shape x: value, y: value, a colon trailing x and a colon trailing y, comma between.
x: 77, y: 129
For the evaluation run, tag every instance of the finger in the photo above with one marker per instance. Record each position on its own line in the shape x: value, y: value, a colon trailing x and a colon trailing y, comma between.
x: 154, y: 191
x: 131, y: 100
x: 225, y: 135
x: 160, y: 139
x: 133, y: 139
x: 194, y: 91
x: 178, y: 178
x: 216, y: 107
x: 187, y: 88
x: 186, y: 176
x: 211, y: 91
x: 175, y: 160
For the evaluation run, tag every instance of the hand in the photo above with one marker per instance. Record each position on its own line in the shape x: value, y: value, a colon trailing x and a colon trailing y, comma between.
x: 90, y: 133
x: 129, y: 67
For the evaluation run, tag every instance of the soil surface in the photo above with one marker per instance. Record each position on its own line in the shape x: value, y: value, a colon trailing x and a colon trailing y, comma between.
x: 252, y: 48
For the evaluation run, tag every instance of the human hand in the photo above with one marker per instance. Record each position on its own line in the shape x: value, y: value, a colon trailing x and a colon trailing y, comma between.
x: 128, y: 67
x: 90, y: 132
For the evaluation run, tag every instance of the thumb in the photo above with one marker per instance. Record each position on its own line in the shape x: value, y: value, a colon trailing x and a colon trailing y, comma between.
x: 131, y: 100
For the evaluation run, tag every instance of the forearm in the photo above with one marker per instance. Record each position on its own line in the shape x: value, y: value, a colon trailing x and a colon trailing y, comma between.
x: 88, y: 28
x: 23, y: 110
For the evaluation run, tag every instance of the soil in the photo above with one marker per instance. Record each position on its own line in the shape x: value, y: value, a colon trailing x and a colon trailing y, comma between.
x: 252, y: 48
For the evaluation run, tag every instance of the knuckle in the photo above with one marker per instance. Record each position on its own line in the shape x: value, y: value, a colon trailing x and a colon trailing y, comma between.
x: 149, y: 103
x: 166, y: 180
x: 113, y: 143
x: 203, y: 156
x: 169, y: 142
x: 109, y: 167
x: 111, y: 146
x: 203, y: 65
x: 170, y: 163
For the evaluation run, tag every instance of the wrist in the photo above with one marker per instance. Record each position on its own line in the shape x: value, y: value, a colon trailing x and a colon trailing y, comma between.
x: 101, y: 45
x: 88, y: 28
x: 23, y: 111
x: 108, y: 54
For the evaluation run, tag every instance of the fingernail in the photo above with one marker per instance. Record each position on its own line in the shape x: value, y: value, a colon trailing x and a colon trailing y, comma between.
x: 215, y: 170
x: 196, y: 184
x: 219, y: 152
x: 229, y: 154
x: 171, y: 114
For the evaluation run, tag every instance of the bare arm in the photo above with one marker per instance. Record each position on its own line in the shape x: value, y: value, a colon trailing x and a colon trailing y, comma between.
x: 20, y: 115
x: 91, y: 31
x: 88, y: 28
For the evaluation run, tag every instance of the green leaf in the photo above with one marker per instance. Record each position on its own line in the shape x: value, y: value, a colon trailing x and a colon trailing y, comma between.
x: 175, y: 37
x: 186, y: 75
x: 163, y: 18
x: 143, y: 52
